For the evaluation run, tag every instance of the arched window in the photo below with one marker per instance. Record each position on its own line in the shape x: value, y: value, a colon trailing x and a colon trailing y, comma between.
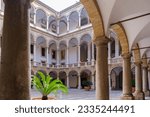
x: 112, y: 48
x: 84, y: 17
x: 41, y: 18
x: 32, y: 14
x: 63, y: 25
x: 73, y: 20
x: 52, y: 24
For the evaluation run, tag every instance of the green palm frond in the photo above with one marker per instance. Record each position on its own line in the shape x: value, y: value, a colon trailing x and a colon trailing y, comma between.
x: 46, y: 84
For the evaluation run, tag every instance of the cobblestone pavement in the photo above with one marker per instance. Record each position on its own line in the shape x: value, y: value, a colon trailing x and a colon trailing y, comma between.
x: 76, y: 94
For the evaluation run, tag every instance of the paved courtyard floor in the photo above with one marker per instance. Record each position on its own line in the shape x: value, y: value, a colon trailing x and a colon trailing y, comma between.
x: 76, y: 94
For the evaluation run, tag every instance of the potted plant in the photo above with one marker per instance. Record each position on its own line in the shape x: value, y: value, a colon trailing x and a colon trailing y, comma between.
x: 46, y: 85
x: 87, y: 85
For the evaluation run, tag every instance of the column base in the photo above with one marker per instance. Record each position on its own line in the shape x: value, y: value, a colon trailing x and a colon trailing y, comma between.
x: 147, y: 93
x: 127, y: 97
x: 139, y: 95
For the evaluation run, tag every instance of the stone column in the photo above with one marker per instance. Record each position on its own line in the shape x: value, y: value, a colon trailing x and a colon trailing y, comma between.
x: 116, y: 49
x: 47, y: 56
x: 47, y: 23
x: 67, y: 23
x: 102, y: 82
x: 79, y: 20
x: 15, y: 66
x: 139, y: 94
x: 68, y: 81
x: 79, y: 81
x: 34, y: 44
x: 67, y: 56
x: 145, y: 80
x: 58, y: 27
x: 93, y: 54
x: 127, y: 89
x: 89, y: 52
x: 109, y: 52
x: 93, y: 81
x: 58, y: 55
x: 78, y: 55
x: 35, y: 16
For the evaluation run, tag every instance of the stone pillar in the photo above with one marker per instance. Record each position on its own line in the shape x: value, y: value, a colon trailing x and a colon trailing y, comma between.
x: 58, y: 27
x: 67, y: 56
x: 93, y: 54
x: 78, y: 55
x: 109, y: 52
x: 127, y: 86
x: 89, y: 52
x: 15, y: 66
x: 58, y: 55
x: 79, y: 81
x: 79, y: 20
x: 34, y: 56
x: 139, y: 94
x: 47, y: 23
x: 93, y: 80
x: 145, y: 80
x: 35, y: 16
x: 116, y: 49
x: 68, y: 81
x: 102, y: 82
x: 47, y: 56
x: 67, y: 23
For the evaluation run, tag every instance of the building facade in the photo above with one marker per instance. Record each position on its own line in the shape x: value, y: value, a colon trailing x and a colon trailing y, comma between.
x: 61, y: 45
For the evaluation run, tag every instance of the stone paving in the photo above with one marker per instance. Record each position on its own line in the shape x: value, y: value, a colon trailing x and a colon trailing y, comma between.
x: 76, y: 94
x: 80, y: 94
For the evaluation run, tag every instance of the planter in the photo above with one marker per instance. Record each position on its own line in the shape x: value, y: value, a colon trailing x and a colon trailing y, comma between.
x: 87, y: 88
x: 40, y: 98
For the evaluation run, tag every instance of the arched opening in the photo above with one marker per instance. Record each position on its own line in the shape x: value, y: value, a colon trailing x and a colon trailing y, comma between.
x: 85, y: 48
x: 53, y: 53
x: 41, y: 18
x: 63, y: 77
x: 73, y: 20
x: 63, y: 48
x: 41, y: 50
x: 85, y: 75
x: 84, y: 17
x: 116, y: 78
x: 73, y: 79
x: 52, y: 24
x: 32, y: 15
x: 113, y: 47
x: 73, y: 51
x: 53, y: 74
x: 63, y: 25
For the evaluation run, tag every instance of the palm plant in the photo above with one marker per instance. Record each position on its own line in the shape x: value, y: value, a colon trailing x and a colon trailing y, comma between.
x: 46, y: 85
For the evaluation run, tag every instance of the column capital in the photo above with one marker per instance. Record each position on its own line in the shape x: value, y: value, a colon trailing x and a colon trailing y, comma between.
x: 137, y: 63
x: 144, y: 66
x: 126, y: 56
x: 101, y: 41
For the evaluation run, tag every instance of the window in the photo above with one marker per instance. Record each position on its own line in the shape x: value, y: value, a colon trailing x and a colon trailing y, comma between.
x: 84, y: 21
x: 32, y: 49
x: 43, y: 51
x: 53, y: 54
x: 62, y: 54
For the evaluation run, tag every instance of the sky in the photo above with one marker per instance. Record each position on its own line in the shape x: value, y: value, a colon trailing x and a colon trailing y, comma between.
x: 59, y: 5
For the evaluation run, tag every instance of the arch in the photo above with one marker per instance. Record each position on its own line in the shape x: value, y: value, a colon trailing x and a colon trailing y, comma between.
x: 63, y: 77
x: 85, y: 75
x: 73, y: 79
x: 63, y: 25
x: 53, y: 74
x: 84, y: 17
x: 32, y: 14
x: 94, y: 13
x: 85, y: 38
x: 41, y: 18
x: 52, y: 24
x: 136, y: 54
x: 116, y: 78
x: 73, y: 20
x: 113, y: 44
x: 41, y: 40
x: 73, y: 50
x: 119, y: 30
